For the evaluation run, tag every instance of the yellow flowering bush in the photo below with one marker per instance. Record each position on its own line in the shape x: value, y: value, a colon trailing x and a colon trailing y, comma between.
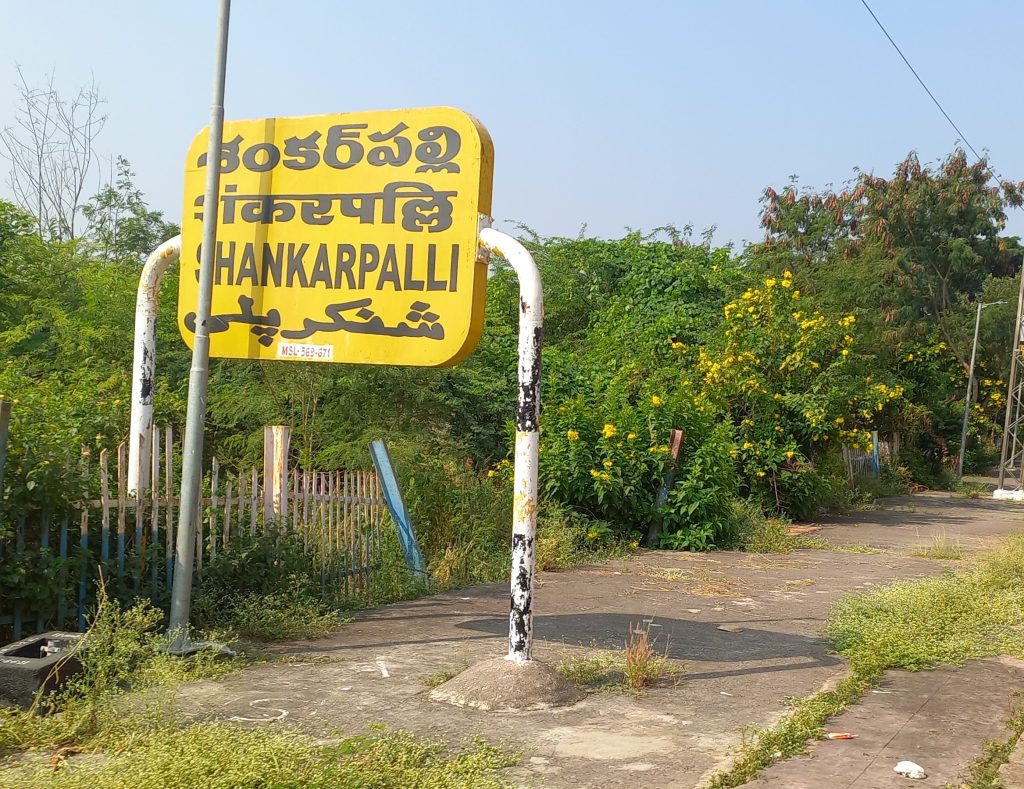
x: 788, y: 377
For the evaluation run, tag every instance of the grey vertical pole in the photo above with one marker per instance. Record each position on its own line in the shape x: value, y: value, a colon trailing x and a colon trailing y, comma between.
x: 1011, y: 390
x: 967, y: 402
x: 192, y: 470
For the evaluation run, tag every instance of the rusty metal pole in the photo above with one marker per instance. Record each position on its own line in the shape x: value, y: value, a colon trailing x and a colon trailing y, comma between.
x: 524, y: 508
x: 147, y: 302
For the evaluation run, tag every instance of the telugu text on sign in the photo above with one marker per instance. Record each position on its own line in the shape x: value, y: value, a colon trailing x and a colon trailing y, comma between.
x: 345, y: 238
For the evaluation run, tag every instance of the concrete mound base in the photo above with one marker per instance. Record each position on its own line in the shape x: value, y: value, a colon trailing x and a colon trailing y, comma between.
x: 505, y: 686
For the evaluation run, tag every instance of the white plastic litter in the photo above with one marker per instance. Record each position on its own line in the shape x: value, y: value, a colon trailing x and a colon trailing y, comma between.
x: 910, y: 770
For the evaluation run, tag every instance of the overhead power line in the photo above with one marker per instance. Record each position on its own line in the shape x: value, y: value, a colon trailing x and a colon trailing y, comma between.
x: 931, y: 95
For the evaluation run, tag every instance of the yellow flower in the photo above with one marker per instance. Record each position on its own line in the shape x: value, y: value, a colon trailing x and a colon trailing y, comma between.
x: 631, y: 437
x: 609, y: 431
x: 796, y: 294
x: 606, y: 476
x: 491, y: 473
x: 595, y: 473
x: 634, y: 544
x: 656, y: 401
x: 770, y: 282
x: 591, y: 535
x: 790, y: 454
x: 760, y: 473
x: 608, y: 464
x: 846, y: 351
x: 677, y: 346
x: 747, y: 445
x: 572, y: 435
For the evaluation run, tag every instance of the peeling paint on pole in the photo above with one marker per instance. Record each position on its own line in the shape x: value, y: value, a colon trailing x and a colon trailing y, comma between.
x: 147, y: 302
x: 524, y: 508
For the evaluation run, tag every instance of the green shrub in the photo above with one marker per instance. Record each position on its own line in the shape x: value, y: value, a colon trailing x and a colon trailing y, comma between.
x: 264, y: 587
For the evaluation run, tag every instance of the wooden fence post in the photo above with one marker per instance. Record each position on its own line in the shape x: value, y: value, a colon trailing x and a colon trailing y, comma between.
x: 276, y: 439
x: 675, y: 446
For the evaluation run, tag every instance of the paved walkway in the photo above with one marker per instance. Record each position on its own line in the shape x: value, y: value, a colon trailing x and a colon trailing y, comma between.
x: 773, y: 609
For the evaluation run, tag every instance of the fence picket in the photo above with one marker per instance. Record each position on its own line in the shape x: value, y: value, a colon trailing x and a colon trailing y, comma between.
x: 227, y: 513
x: 154, y: 510
x: 122, y: 488
x: 105, y: 506
x: 334, y: 514
x: 214, y: 482
x: 254, y: 502
x: 169, y: 542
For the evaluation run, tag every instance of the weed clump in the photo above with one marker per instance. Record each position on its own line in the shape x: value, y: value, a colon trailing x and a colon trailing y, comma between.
x: 638, y: 667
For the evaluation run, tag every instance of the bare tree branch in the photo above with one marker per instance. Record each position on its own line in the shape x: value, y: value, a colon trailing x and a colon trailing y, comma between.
x: 51, y: 154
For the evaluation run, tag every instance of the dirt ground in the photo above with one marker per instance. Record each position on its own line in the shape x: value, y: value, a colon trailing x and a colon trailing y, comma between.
x: 773, y: 609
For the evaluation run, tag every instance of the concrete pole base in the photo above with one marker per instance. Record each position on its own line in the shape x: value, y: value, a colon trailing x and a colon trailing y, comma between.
x: 506, y: 686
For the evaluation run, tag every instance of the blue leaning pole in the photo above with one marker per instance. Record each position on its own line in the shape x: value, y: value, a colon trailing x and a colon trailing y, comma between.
x: 396, y: 506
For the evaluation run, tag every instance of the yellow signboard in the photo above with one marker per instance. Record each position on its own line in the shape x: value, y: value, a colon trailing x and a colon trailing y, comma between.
x: 343, y: 238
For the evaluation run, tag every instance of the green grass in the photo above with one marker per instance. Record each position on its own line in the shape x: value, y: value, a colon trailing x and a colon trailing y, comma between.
x: 941, y: 548
x: 983, y: 773
x: 115, y: 726
x: 767, y: 535
x: 636, y: 668
x: 441, y: 677
x: 596, y: 671
x: 282, y: 617
x: 970, y: 490
x: 222, y: 756
x: 861, y: 547
x: 971, y: 613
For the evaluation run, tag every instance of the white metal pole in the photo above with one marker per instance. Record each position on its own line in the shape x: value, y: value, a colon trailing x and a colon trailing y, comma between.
x: 192, y: 451
x: 524, y: 508
x: 967, y: 400
x: 147, y: 302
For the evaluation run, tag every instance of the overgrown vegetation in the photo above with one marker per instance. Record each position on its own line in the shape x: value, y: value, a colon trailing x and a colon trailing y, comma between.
x: 115, y: 726
x: 914, y: 625
x: 852, y: 317
x: 636, y: 668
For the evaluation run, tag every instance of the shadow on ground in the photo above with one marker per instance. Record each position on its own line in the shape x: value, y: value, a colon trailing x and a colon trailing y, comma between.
x: 678, y: 639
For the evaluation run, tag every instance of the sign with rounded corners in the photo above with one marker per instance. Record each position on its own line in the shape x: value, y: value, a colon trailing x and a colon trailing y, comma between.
x: 343, y: 238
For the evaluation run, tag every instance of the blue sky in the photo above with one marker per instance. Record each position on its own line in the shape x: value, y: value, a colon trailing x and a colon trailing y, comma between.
x: 611, y: 114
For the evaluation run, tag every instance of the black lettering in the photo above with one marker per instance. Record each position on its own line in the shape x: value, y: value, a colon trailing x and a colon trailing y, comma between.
x: 435, y: 156
x: 296, y: 267
x: 389, y: 269
x: 369, y: 258
x: 382, y: 154
x: 410, y: 282
x: 247, y: 267
x: 273, y: 157
x: 272, y: 265
x: 433, y: 284
x: 306, y: 149
x: 344, y: 136
x: 343, y: 265
x: 453, y: 274
x: 199, y: 252
x: 321, y: 268
x: 224, y: 264
x: 228, y: 155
